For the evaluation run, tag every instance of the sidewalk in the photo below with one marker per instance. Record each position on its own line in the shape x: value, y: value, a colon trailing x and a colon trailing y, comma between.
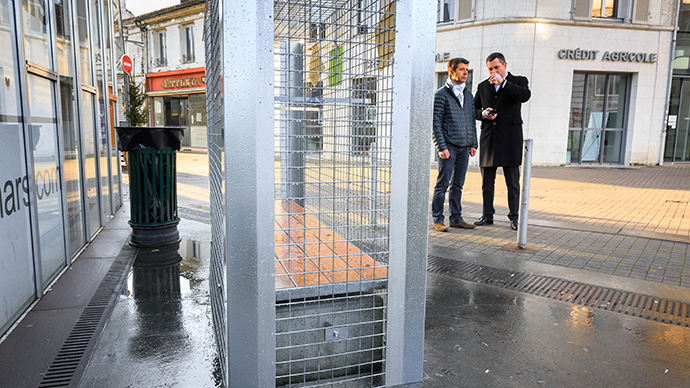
x: 631, y: 222
x: 640, y: 199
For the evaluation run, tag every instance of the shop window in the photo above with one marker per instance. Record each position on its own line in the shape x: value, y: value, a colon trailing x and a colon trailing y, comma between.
x: 161, y: 54
x: 188, y: 45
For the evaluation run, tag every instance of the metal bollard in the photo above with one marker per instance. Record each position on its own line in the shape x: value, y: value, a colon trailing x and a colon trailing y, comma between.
x: 524, y: 196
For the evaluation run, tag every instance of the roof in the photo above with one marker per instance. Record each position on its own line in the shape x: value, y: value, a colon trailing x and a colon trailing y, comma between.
x: 163, y: 11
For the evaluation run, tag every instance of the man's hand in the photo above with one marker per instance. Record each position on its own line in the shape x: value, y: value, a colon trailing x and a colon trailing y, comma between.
x: 445, y: 154
x: 473, y: 151
x: 495, y: 79
x: 488, y: 114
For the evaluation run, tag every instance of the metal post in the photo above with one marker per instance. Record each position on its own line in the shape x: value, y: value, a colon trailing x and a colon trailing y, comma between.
x: 374, y: 182
x: 247, y: 58
x: 524, y: 196
x: 414, y: 45
x: 292, y: 139
x: 125, y: 94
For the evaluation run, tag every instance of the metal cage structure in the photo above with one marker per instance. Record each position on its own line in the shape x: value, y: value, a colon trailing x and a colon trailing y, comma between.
x: 319, y: 113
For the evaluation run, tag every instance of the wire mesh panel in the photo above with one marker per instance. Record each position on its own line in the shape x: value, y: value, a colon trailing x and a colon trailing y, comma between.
x: 333, y: 79
x: 318, y: 267
x: 213, y: 37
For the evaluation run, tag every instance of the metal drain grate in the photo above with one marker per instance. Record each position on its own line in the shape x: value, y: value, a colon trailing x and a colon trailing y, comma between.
x: 637, y: 305
x: 70, y: 358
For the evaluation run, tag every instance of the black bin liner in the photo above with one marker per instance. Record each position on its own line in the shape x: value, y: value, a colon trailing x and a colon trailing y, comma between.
x: 140, y: 138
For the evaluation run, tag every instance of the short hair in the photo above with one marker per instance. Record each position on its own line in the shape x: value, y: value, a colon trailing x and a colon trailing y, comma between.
x: 455, y: 62
x: 498, y: 56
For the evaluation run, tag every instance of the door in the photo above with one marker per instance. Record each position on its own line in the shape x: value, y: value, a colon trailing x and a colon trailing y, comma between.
x: 71, y: 135
x: 598, y: 118
x: 176, y: 113
x: 87, y: 118
x: 678, y: 125
x: 42, y: 96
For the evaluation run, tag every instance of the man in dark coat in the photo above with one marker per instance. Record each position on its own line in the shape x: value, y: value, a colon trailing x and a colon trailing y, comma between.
x: 497, y: 103
x: 455, y: 136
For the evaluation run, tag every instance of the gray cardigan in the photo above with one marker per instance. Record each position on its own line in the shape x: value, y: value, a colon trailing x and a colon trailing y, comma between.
x: 452, y: 123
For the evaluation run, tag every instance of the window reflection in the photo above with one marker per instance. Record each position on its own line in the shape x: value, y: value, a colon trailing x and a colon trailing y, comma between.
x: 36, y: 42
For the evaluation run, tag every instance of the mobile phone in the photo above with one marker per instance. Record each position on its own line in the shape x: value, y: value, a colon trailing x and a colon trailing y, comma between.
x: 493, y: 112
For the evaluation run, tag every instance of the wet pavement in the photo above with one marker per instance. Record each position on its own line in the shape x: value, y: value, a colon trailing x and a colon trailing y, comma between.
x: 482, y: 336
x: 159, y: 333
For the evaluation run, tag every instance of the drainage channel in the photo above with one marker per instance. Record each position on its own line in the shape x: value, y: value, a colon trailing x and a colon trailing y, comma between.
x: 637, y: 305
x: 70, y: 360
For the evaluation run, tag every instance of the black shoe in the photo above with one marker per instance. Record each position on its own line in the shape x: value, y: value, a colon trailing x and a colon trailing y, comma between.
x: 513, y: 224
x: 484, y: 220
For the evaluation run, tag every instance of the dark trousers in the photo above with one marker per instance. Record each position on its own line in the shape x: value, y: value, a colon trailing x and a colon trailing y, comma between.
x: 512, y: 176
x: 453, y: 168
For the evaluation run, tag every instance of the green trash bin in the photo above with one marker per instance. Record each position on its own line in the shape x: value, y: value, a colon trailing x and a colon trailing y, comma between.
x: 152, y: 183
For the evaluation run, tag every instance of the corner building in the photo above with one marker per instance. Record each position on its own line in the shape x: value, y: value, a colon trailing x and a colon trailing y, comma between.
x: 60, y: 176
x: 599, y: 71
x: 169, y: 59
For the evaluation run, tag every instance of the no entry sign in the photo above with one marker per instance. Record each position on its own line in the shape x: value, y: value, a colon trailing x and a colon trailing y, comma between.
x: 126, y: 64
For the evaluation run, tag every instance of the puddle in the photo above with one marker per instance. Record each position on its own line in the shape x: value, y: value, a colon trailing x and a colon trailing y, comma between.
x: 161, y: 331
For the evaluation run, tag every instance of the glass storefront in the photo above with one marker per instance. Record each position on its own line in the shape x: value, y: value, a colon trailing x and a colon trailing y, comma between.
x: 598, y: 115
x: 677, y: 144
x: 53, y: 187
x: 17, y: 268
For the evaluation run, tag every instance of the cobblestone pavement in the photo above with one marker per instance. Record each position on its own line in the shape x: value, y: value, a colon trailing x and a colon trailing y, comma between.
x: 630, y: 222
x: 650, y: 199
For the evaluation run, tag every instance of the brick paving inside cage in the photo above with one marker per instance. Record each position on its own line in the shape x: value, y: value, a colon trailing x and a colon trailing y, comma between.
x: 308, y: 253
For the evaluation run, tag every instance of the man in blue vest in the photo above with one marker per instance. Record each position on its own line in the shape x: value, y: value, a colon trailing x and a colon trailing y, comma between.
x: 455, y: 136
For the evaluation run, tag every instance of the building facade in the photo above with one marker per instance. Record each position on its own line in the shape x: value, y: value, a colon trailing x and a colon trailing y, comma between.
x: 599, y: 71
x: 169, y: 59
x: 60, y: 181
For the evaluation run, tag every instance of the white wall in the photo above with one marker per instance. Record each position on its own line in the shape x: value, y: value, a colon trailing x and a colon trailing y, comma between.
x: 531, y: 47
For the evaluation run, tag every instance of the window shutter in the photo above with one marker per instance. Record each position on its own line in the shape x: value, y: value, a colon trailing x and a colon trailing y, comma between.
x: 641, y: 11
x: 582, y: 9
x: 465, y: 9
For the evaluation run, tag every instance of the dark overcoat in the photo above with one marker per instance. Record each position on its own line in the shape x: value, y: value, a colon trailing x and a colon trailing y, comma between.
x: 500, y: 143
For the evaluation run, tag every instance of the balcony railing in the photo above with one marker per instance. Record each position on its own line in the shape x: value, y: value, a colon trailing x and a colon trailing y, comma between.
x: 188, y: 58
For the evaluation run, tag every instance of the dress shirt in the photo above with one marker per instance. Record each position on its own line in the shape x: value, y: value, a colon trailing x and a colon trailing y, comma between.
x: 458, y: 90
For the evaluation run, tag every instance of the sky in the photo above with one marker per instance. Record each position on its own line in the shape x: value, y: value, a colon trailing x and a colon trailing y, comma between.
x: 140, y: 7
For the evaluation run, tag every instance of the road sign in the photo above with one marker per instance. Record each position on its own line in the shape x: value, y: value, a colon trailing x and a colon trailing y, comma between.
x: 126, y: 63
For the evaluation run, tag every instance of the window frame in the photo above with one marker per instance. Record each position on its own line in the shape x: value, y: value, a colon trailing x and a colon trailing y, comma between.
x: 439, y: 11
x: 189, y: 55
x: 161, y: 58
x: 626, y: 11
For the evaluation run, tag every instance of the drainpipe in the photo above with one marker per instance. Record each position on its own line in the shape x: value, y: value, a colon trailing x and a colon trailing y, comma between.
x: 667, y: 103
